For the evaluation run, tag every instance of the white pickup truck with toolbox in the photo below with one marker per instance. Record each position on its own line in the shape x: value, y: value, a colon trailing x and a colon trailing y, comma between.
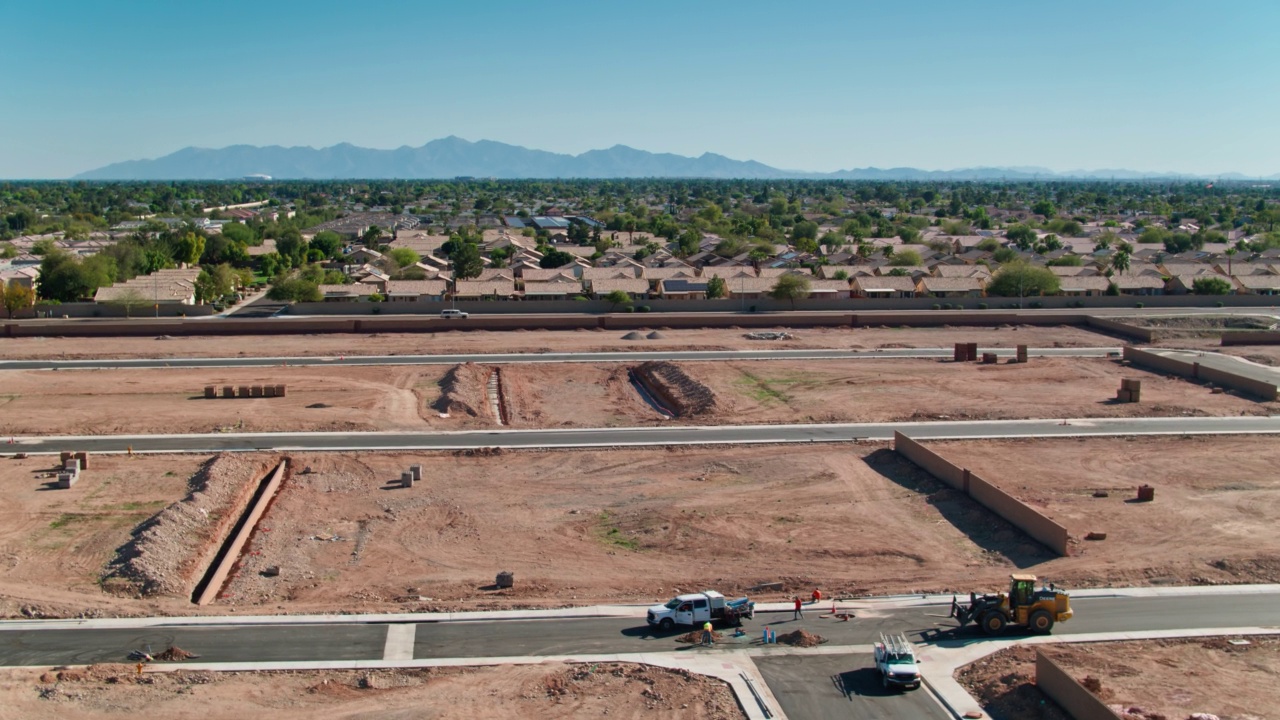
x: 697, y: 608
x: 896, y: 661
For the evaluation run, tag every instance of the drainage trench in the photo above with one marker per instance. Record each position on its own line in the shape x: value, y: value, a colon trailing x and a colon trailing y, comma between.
x: 215, y: 578
x: 650, y: 398
x: 496, y: 405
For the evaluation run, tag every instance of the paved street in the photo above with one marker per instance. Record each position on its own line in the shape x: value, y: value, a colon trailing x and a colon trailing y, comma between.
x: 668, y: 434
x: 517, y: 358
x: 843, y: 686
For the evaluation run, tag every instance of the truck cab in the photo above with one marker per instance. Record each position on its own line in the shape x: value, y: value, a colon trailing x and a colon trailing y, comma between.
x: 896, y: 661
x: 697, y: 608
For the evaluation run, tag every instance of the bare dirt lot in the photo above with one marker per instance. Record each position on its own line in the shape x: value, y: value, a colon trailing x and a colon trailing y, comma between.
x: 1215, y: 500
x: 549, y: 690
x: 534, y: 341
x: 54, y: 544
x: 405, y: 398
x: 585, y: 527
x: 1160, y: 678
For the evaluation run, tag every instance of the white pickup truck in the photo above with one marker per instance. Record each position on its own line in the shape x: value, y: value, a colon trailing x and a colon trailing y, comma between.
x: 698, y: 608
x: 896, y: 661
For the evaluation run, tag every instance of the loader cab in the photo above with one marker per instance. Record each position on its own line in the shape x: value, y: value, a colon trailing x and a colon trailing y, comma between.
x: 1022, y: 591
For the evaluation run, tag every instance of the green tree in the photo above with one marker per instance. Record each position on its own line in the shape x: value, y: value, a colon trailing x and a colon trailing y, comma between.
x: 240, y: 233
x: 1120, y: 262
x: 1022, y: 236
x: 690, y: 241
x: 1211, y: 286
x: 716, y: 288
x: 215, y: 282
x: 189, y: 248
x: 791, y: 288
x: 129, y: 299
x: 330, y: 243
x: 1021, y: 279
x: 466, y: 261
x: 616, y: 298
x: 371, y: 236
x: 295, y: 289
x: 903, y: 258
x: 805, y: 229
x: 555, y: 259
x: 404, y: 257
x: 1066, y: 261
x: 1045, y: 208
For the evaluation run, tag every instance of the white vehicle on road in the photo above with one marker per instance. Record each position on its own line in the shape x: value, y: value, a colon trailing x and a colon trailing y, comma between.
x: 698, y: 608
x: 896, y: 661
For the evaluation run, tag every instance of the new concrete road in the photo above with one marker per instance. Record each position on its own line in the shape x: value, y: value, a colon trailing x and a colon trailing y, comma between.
x: 807, y: 684
x: 516, y: 358
x: 666, y: 434
x: 1227, y: 363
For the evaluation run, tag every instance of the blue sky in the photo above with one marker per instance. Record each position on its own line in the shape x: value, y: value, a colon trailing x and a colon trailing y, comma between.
x: 1164, y: 85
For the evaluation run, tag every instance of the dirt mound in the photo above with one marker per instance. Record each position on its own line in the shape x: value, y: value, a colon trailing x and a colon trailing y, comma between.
x: 695, y: 637
x: 673, y: 386
x: 463, y: 390
x: 801, y: 638
x: 633, y: 335
x: 175, y: 654
x: 655, y: 335
x: 168, y: 553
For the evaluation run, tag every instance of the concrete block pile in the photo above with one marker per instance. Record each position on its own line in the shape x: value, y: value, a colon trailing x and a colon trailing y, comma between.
x: 245, y: 391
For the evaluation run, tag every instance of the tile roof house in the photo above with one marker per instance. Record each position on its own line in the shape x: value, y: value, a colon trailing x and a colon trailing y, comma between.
x: 637, y: 288
x: 883, y: 286
x: 1257, y: 284
x: 174, y: 286
x: 1084, y: 285
x: 493, y: 289
x: 1144, y: 283
x: 562, y: 289
x: 416, y: 290
x: 950, y: 287
x: 683, y: 288
x: 354, y: 292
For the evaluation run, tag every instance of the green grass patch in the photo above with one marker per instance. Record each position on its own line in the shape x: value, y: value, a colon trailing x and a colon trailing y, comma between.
x: 68, y: 519
x: 611, y: 534
x: 760, y: 389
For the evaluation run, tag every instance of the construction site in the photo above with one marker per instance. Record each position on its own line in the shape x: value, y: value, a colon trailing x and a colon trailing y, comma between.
x: 302, y: 531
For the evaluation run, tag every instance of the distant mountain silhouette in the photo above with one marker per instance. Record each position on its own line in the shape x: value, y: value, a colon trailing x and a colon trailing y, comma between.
x: 454, y: 157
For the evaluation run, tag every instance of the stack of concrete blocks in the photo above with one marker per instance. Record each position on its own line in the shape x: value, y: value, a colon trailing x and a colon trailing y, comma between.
x: 268, y: 391
x: 228, y: 391
x: 1130, y: 391
x: 255, y: 391
x: 966, y: 352
x: 211, y: 391
x: 71, y: 466
x: 411, y: 476
x: 1022, y: 353
x: 279, y: 391
x: 243, y: 392
x: 988, y: 358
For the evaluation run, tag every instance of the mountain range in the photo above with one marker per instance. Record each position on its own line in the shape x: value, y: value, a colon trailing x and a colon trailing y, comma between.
x: 454, y: 157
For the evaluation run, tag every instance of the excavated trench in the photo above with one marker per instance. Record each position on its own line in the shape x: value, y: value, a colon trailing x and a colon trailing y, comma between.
x: 648, y: 394
x: 496, y: 405
x: 229, y: 553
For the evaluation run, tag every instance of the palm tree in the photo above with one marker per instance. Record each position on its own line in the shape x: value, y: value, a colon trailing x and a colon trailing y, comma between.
x: 1120, y: 262
x: 1230, y: 253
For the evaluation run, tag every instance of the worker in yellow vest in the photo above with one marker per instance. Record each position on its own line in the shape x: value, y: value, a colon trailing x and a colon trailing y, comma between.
x: 707, y: 637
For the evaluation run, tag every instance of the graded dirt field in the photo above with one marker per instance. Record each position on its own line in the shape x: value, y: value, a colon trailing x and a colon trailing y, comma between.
x: 536, y: 341
x: 1212, y: 521
x: 1142, y: 680
x: 634, y: 525
x: 547, y: 690
x: 441, y: 397
x: 54, y: 544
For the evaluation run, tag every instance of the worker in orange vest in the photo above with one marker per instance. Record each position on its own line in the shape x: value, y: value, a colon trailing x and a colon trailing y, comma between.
x: 817, y: 595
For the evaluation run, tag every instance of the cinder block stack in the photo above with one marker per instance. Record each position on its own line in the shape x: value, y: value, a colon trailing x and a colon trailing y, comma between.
x: 210, y: 391
x: 279, y: 391
x: 406, y: 479
x: 960, y: 353
x: 255, y: 391
x: 988, y: 358
x: 971, y: 352
x: 70, y: 471
x: 83, y: 457
x: 268, y: 391
x: 1022, y: 353
x: 416, y: 471
x: 228, y: 391
x: 1130, y: 391
x: 244, y: 391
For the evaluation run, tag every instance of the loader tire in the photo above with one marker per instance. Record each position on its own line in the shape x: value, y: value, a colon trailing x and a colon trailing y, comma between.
x: 993, y: 623
x: 1041, y: 621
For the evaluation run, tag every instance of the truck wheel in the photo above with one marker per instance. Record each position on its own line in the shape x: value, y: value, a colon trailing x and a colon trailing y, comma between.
x: 1041, y: 621
x: 666, y: 624
x: 993, y: 623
